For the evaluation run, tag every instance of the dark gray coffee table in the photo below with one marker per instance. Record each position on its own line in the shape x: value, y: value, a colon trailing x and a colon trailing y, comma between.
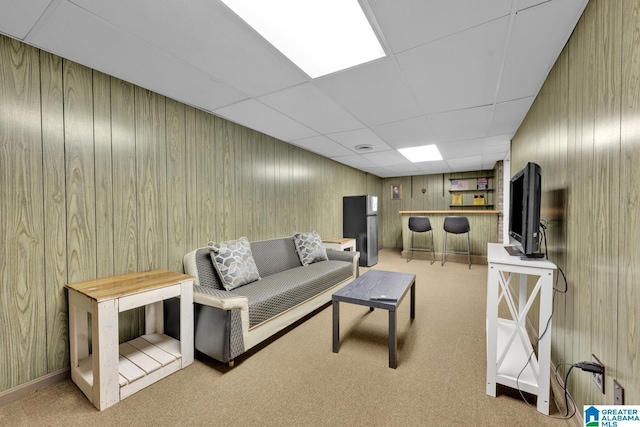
x: 374, y: 283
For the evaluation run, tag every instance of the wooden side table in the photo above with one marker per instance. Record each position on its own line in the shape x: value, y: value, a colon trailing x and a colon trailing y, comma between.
x: 113, y: 371
x: 339, y: 244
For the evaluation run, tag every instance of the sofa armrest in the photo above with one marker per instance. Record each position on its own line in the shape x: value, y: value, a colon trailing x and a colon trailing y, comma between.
x: 350, y: 256
x: 216, y: 298
x: 221, y: 322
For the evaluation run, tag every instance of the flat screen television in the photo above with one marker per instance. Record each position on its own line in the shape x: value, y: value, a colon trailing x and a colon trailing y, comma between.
x: 524, y: 212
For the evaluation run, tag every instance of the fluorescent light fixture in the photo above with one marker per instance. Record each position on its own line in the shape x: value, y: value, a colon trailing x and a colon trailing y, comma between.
x: 424, y: 153
x: 319, y: 36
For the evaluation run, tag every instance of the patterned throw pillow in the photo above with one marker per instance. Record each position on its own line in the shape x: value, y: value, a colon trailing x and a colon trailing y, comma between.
x: 309, y: 247
x: 234, y: 262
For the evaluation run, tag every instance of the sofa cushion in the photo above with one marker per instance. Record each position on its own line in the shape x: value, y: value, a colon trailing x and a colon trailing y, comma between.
x: 310, y: 248
x: 279, y: 292
x: 275, y: 255
x: 234, y: 263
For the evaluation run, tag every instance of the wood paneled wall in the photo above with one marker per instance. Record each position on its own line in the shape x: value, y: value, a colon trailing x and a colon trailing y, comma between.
x: 100, y: 177
x: 584, y: 131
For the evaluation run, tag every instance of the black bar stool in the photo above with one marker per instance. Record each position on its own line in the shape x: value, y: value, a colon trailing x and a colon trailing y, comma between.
x: 456, y: 225
x: 421, y: 224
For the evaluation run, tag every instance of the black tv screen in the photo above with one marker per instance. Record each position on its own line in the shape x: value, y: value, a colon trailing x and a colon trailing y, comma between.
x: 524, y: 211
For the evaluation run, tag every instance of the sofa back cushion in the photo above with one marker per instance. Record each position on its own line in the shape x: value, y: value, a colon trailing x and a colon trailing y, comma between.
x: 275, y: 255
x: 271, y: 257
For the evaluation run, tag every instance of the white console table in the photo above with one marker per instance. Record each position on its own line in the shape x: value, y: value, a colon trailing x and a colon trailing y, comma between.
x: 508, y: 345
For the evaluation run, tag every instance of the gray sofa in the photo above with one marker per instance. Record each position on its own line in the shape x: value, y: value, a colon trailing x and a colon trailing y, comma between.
x: 228, y: 323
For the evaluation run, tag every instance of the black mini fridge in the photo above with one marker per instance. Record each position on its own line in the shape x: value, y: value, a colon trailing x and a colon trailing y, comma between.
x: 360, y: 222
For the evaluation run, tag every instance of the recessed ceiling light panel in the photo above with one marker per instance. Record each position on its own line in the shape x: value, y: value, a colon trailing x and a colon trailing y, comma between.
x: 319, y: 36
x: 424, y: 153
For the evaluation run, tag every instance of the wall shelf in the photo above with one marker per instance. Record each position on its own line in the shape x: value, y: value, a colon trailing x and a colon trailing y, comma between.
x: 487, y: 175
x: 470, y: 206
x: 471, y: 190
x: 464, y: 197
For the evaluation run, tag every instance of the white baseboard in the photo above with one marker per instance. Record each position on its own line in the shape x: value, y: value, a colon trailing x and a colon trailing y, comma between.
x: 32, y: 386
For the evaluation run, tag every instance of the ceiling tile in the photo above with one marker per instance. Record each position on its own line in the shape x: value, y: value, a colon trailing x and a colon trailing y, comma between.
x: 465, y: 148
x: 525, y: 4
x: 489, y: 160
x: 409, y: 23
x: 461, y: 124
x: 538, y: 36
x: 256, y: 115
x: 323, y: 146
x: 459, y: 71
x: 498, y: 140
x: 75, y: 34
x: 440, y: 166
x: 508, y: 116
x: 18, y: 17
x: 501, y: 150
x: 406, y: 133
x: 352, y: 138
x: 465, y: 163
x: 238, y: 56
x: 476, y: 153
x: 380, y: 172
x: 309, y: 105
x: 403, y: 169
x: 374, y: 92
x: 386, y: 158
x: 355, y: 161
x: 439, y: 83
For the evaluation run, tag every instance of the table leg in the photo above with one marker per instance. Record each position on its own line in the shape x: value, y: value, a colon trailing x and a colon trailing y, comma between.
x: 154, y: 318
x: 336, y: 326
x: 78, y: 328
x: 393, y: 340
x: 413, y: 300
x: 79, y: 308
x: 104, y: 327
x: 544, y: 345
x: 492, y: 329
x: 186, y: 323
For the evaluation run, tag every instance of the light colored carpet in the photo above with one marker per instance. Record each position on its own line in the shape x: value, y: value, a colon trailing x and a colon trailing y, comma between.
x: 296, y: 380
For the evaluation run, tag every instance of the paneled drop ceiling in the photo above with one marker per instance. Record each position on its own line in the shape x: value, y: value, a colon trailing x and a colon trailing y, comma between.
x: 460, y: 74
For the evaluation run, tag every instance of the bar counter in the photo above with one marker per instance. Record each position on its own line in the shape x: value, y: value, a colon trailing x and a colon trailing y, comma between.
x: 483, y: 225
